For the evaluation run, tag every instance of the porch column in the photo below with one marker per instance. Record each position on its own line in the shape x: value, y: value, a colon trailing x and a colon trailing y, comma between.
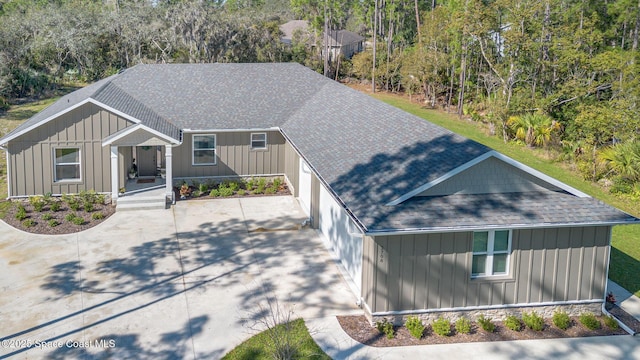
x: 114, y: 175
x: 168, y: 163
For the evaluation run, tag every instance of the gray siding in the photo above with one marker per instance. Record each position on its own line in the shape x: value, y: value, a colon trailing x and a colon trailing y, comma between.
x: 233, y: 156
x: 292, y: 168
x: 433, y: 271
x: 489, y: 177
x: 31, y: 162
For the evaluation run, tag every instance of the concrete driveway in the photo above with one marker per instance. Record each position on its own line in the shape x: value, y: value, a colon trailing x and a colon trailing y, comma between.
x: 188, y: 282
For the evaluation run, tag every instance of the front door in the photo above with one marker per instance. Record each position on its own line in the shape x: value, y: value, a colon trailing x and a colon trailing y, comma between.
x: 146, y: 160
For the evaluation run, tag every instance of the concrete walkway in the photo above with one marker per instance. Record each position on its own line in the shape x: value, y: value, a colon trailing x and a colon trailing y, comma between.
x: 338, y: 345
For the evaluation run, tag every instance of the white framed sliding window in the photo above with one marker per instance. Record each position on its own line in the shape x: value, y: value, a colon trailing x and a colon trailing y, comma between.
x: 66, y: 164
x: 204, y: 149
x: 491, y: 250
x: 258, y: 141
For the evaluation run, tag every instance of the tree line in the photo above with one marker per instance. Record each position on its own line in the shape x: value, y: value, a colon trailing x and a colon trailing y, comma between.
x: 556, y: 74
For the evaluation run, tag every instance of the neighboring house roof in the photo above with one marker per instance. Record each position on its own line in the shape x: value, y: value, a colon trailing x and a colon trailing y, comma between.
x: 289, y: 28
x: 377, y: 160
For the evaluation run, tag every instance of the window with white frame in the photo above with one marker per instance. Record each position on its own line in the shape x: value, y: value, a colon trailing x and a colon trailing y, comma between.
x: 204, y: 149
x: 258, y: 141
x: 491, y: 251
x: 66, y: 164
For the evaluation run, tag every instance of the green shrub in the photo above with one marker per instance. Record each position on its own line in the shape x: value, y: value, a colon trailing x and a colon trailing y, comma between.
x: 70, y: 216
x: 277, y: 182
x: 589, y: 321
x: 415, y: 326
x: 55, y: 205
x: 442, y: 327
x: 74, y: 204
x: 78, y: 220
x: 203, y: 188
x: 233, y: 185
x: 28, y: 223
x: 610, y: 322
x: 225, y: 191
x: 88, y: 206
x: 513, y: 323
x: 486, y: 324
x: 241, y: 192
x: 37, y: 202
x: 250, y: 184
x: 463, y: 326
x: 21, y: 214
x: 561, y: 320
x: 53, y: 223
x: 214, y: 193
x: 533, y: 321
x: 97, y: 216
x: 262, y: 184
x: 47, y: 217
x: 271, y: 190
x: 196, y: 193
x: 386, y: 328
x: 101, y: 199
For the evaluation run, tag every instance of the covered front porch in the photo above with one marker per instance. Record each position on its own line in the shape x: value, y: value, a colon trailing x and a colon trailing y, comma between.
x: 141, y: 167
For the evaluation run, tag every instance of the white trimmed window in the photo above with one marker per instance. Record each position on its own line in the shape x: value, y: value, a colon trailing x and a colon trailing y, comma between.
x: 66, y: 164
x: 258, y: 141
x: 491, y: 251
x: 204, y: 149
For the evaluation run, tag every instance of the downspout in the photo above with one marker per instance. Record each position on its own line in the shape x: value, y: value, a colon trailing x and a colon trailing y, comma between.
x: 6, y: 151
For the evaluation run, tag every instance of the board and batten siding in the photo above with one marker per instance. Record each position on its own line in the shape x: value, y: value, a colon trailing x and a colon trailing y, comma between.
x: 31, y: 159
x: 292, y: 168
x: 234, y: 156
x: 433, y: 271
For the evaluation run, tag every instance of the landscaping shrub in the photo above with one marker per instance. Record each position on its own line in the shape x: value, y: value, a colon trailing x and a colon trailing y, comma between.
x: 203, y: 188
x: 277, y: 182
x: 533, y: 321
x: 22, y: 213
x: 196, y: 193
x: 561, y: 320
x: 55, y: 205
x: 28, y: 223
x: 611, y: 322
x: 37, y: 202
x: 415, y: 326
x: 47, y: 217
x: 225, y: 191
x: 101, y: 199
x: 486, y: 324
x: 88, y: 206
x: 214, y: 193
x: 271, y: 190
x: 78, y: 220
x: 385, y: 327
x: 234, y: 186
x: 250, y: 184
x: 463, y: 325
x: 589, y: 321
x: 53, y: 223
x: 97, y: 216
x: 74, y: 204
x: 442, y: 327
x: 241, y: 192
x: 513, y: 323
x: 70, y: 216
x: 262, y: 184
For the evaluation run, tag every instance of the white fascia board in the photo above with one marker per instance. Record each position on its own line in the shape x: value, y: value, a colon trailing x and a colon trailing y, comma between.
x: 127, y: 131
x: 480, y: 159
x: 192, y: 131
x: 414, y: 231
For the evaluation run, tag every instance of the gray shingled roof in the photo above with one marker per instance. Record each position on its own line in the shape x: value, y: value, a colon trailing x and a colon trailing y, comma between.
x: 506, y: 210
x: 367, y: 152
x: 344, y: 37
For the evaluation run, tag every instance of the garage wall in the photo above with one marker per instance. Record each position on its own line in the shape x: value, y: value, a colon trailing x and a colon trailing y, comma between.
x: 433, y: 271
x: 344, y: 240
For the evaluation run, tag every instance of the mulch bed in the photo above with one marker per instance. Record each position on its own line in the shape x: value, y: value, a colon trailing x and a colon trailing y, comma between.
x: 359, y: 328
x: 41, y: 226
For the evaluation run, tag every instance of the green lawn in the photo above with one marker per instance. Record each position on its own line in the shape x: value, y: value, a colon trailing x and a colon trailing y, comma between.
x: 625, y: 254
x: 260, y: 346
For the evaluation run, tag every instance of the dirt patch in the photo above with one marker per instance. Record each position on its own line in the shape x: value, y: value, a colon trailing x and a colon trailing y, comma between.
x: 41, y: 221
x: 359, y: 329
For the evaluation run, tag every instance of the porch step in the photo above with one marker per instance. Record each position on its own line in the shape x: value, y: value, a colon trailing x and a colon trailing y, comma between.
x: 140, y: 202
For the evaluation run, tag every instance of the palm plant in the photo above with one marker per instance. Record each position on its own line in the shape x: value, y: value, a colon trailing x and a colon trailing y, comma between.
x: 623, y: 159
x: 534, y: 129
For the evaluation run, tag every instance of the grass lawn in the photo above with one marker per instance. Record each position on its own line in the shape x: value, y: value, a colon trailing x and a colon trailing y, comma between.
x: 260, y: 346
x: 625, y: 254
